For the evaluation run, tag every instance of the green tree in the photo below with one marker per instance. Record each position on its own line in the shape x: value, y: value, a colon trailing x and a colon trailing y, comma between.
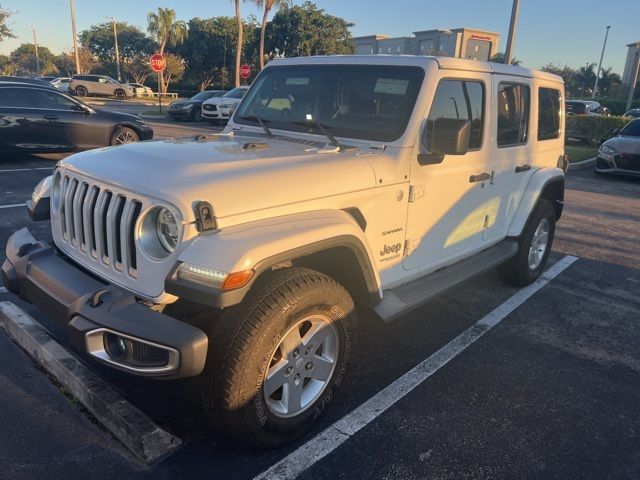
x: 6, y: 65
x: 132, y: 41
x: 24, y: 60
x: 138, y: 68
x: 175, y: 69
x: 585, y: 78
x: 305, y: 30
x: 66, y: 62
x: 499, y: 58
x: 5, y: 31
x: 166, y: 30
x: 267, y: 5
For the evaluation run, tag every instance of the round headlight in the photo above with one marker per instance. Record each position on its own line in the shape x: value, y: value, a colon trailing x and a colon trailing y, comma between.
x: 167, y: 229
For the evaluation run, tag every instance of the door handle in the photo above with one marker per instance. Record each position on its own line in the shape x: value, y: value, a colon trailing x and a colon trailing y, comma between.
x: 481, y: 177
x: 523, y: 168
x: 51, y: 117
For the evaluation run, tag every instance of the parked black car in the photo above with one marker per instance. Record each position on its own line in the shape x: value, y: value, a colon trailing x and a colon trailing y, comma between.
x: 32, y: 81
x: 634, y: 112
x: 192, y: 108
x: 42, y: 119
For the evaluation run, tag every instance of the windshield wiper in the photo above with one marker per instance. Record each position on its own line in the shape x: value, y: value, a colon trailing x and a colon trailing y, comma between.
x: 326, y: 131
x: 259, y: 121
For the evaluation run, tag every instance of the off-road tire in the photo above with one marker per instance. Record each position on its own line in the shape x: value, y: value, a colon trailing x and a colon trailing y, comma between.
x: 81, y: 91
x: 517, y: 270
x: 242, y: 342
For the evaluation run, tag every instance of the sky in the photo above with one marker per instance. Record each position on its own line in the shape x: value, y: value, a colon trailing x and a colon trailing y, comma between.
x: 565, y: 32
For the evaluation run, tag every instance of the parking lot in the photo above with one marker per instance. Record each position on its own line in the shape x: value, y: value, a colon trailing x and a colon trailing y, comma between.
x: 551, y: 391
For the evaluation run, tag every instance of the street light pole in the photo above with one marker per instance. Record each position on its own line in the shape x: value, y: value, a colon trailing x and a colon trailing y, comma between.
x: 115, y: 36
x: 604, y: 45
x: 513, y: 26
x: 75, y: 36
x: 35, y: 44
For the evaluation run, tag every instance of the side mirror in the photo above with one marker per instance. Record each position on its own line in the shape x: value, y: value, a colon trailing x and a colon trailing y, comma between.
x: 80, y: 109
x: 444, y: 136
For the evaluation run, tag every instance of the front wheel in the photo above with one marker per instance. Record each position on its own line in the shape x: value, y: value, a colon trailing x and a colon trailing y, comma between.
x: 276, y: 359
x: 196, y: 114
x: 81, y: 92
x: 534, y: 247
x: 122, y: 135
x: 120, y: 95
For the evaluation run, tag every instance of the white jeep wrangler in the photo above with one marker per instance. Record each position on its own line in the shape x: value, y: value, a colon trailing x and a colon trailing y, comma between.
x: 341, y: 184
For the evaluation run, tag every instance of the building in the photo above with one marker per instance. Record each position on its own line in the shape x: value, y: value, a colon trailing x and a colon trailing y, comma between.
x: 458, y: 42
x: 631, y: 64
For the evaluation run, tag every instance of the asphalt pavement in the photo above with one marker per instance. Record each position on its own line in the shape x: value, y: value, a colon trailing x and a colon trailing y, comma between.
x: 552, y: 391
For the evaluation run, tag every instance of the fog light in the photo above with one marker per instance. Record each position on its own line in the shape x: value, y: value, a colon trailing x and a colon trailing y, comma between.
x: 117, y: 347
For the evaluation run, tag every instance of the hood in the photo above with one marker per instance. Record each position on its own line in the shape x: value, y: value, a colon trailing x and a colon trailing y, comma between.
x: 130, y: 117
x: 628, y: 145
x: 180, y: 103
x: 227, y: 171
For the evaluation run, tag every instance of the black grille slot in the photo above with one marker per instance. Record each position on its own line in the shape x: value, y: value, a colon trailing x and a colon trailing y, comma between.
x: 628, y: 162
x: 132, y: 235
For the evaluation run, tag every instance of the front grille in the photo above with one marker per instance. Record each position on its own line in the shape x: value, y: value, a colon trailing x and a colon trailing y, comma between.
x: 208, y: 107
x: 99, y: 224
x: 628, y: 162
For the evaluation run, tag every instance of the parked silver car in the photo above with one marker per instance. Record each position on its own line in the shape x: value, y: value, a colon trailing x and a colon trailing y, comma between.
x: 621, y: 154
x: 84, y: 85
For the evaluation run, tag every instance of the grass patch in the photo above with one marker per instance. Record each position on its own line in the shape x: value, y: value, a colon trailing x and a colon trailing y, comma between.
x: 579, y: 153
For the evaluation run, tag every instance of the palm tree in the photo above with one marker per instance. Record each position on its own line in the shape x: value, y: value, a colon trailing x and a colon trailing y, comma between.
x: 239, y: 42
x: 164, y: 28
x: 268, y: 5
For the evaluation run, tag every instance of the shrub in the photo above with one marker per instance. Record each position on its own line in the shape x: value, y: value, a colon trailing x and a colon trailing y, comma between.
x: 593, y: 128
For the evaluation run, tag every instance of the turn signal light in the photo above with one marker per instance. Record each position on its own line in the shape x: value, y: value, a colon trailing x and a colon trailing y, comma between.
x: 237, y: 279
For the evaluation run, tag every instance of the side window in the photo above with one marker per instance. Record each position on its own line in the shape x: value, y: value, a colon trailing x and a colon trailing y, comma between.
x: 14, y: 97
x: 462, y: 100
x: 49, y: 100
x: 102, y: 80
x: 548, y: 113
x: 513, y: 114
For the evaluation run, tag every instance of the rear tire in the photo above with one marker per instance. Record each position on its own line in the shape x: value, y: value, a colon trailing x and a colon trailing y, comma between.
x: 123, y: 135
x: 534, y: 247
x: 263, y: 381
x: 81, y: 91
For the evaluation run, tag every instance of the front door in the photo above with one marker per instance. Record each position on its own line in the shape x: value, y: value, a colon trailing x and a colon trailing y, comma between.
x: 448, y: 199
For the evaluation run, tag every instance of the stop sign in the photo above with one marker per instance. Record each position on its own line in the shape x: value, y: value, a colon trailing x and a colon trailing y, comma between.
x: 158, y: 63
x: 245, y: 71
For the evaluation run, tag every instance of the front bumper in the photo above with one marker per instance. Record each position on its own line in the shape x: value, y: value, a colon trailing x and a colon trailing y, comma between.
x: 620, y: 164
x: 91, y: 310
x: 146, y: 133
x: 179, y: 113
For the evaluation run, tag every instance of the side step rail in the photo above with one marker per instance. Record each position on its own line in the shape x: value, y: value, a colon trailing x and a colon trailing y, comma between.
x: 400, y: 300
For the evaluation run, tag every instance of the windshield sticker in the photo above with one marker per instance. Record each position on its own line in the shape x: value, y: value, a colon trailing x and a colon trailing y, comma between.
x: 391, y: 86
x: 297, y: 81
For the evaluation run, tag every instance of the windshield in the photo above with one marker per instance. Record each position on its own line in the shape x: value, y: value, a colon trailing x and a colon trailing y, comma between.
x: 365, y: 101
x: 202, y: 95
x: 631, y: 129
x: 236, y: 93
x: 576, y: 107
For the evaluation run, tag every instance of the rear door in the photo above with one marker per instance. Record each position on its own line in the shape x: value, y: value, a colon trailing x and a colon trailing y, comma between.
x: 511, y: 152
x: 18, y: 122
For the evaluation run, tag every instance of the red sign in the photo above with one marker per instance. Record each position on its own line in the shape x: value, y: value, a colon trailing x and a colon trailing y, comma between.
x: 245, y: 71
x: 158, y: 63
x: 480, y: 37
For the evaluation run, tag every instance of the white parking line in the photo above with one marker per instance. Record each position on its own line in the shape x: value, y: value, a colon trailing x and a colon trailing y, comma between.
x: 25, y: 169
x: 13, y: 205
x: 332, y: 437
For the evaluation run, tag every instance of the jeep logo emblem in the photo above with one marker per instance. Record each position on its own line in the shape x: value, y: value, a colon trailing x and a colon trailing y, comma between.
x: 387, y: 249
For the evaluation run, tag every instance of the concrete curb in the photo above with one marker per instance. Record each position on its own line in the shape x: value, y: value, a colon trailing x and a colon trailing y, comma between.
x: 146, y: 440
x: 583, y: 163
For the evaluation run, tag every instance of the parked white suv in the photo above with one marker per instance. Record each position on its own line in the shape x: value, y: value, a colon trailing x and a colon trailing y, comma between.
x: 85, y: 85
x: 221, y: 108
x: 340, y: 185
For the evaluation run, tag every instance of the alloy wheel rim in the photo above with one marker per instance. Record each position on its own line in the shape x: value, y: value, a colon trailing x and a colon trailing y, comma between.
x: 301, y: 366
x: 125, y: 137
x: 539, y: 244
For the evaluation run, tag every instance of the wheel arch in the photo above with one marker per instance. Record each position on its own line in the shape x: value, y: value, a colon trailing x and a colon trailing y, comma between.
x: 547, y: 183
x: 329, y: 242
